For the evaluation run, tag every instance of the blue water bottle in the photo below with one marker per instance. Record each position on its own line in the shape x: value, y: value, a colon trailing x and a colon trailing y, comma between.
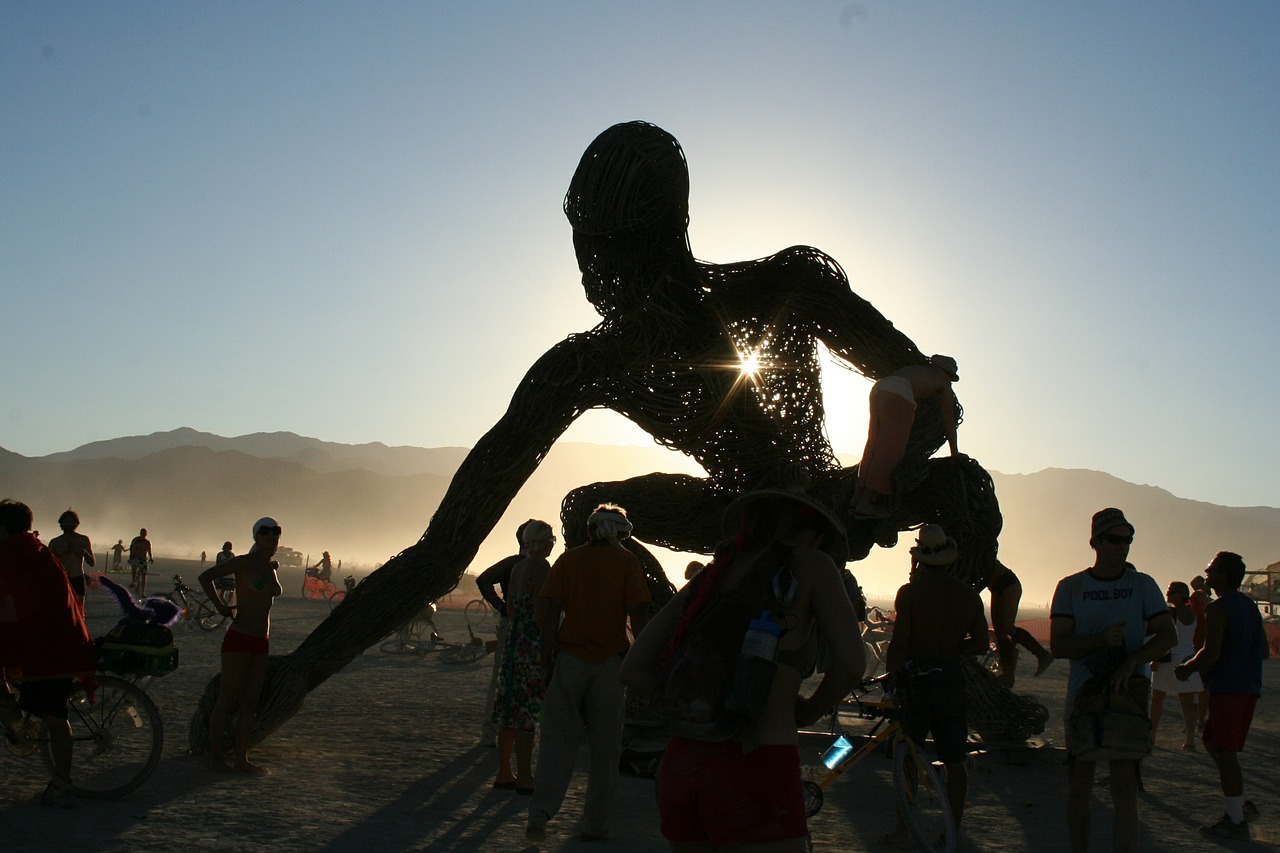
x: 751, y: 681
x: 837, y: 753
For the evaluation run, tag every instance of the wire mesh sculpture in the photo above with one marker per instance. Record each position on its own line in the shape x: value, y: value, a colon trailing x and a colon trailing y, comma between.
x: 718, y: 361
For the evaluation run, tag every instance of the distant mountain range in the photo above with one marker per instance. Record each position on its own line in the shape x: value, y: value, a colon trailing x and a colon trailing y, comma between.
x: 363, y: 503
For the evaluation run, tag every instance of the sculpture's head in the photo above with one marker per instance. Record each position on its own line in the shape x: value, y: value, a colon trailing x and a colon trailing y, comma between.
x: 631, y: 180
x: 628, y: 204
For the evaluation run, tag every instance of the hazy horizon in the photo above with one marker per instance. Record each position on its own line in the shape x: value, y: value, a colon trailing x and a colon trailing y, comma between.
x: 327, y: 499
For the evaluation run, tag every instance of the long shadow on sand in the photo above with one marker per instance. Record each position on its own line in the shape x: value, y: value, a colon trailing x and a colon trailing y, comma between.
x: 452, y: 808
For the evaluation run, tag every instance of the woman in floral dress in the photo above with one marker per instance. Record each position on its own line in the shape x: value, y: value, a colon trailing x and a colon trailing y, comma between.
x: 518, y: 704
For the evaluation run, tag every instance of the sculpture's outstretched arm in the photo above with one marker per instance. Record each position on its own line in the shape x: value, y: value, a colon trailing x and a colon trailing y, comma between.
x: 558, y: 388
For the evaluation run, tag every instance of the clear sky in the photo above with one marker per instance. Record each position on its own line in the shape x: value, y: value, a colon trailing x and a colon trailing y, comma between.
x: 344, y: 219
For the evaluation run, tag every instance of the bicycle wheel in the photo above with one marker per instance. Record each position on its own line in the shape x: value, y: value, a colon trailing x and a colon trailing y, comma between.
x: 479, y: 614
x: 206, y: 617
x: 469, y: 653
x: 337, y: 598
x: 116, y: 741
x: 813, y: 797
x: 420, y: 629
x: 874, y: 658
x: 922, y: 799
x: 399, y: 647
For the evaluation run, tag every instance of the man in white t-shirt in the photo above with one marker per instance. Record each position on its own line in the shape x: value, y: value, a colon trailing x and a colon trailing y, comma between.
x: 1100, y: 619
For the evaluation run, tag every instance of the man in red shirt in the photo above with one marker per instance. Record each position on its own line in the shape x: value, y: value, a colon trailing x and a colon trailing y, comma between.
x: 44, y: 643
x: 597, y: 587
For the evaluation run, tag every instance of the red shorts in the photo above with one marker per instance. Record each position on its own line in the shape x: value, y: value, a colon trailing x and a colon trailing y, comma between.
x: 240, y: 643
x: 716, y: 794
x: 1229, y: 717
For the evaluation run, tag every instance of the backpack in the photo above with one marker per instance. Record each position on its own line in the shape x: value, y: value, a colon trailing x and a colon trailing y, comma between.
x: 137, y: 648
x: 700, y: 680
x: 1106, y: 725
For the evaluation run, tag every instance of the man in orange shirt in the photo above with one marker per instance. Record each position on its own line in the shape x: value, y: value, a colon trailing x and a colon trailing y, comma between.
x: 597, y: 587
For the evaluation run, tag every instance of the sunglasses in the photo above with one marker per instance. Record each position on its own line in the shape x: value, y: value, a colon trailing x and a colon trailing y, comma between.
x: 1115, y: 539
x: 270, y: 531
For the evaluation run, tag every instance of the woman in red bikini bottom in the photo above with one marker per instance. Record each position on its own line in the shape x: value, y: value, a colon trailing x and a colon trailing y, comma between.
x: 245, y: 647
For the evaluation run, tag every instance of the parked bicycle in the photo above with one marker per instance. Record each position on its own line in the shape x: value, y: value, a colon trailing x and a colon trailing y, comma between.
x: 117, y: 737
x: 877, y: 631
x: 339, y: 595
x: 921, y: 794
x: 194, y: 606
x: 419, y: 636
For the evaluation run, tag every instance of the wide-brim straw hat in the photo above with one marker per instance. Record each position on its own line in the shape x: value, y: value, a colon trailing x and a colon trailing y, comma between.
x: 934, y: 547
x: 837, y: 545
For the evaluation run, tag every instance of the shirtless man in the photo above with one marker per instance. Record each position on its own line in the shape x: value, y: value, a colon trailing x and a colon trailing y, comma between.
x: 139, y: 560
x: 246, y: 644
x: 73, y: 550
x: 893, y: 411
x: 939, y: 619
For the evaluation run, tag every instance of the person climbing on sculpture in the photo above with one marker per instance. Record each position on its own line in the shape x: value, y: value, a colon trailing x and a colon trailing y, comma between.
x: 1006, y: 595
x: 717, y: 361
x: 893, y: 411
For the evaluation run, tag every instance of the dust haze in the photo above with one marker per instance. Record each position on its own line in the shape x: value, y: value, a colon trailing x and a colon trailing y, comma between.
x: 365, y: 503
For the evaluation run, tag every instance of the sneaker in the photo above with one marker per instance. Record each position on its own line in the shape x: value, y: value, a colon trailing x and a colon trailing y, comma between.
x: 1250, y: 811
x: 58, y: 793
x: 1226, y: 828
x: 536, y: 829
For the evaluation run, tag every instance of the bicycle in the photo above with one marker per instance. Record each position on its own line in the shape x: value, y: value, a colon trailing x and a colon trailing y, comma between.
x: 194, y: 606
x: 117, y: 737
x: 417, y: 636
x: 877, y: 631
x: 921, y: 794
x: 340, y: 595
x: 457, y: 653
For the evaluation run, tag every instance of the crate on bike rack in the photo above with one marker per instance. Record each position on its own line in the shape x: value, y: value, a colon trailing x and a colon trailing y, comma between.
x: 137, y: 649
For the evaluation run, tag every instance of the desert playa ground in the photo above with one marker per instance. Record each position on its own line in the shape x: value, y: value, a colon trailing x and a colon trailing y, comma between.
x: 384, y: 757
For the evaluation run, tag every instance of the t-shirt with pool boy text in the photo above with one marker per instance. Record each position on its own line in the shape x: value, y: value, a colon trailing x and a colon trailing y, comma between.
x: 1094, y: 604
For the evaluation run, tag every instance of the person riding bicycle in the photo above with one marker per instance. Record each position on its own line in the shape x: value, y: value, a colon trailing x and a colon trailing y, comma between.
x: 44, y: 643
x: 322, y: 570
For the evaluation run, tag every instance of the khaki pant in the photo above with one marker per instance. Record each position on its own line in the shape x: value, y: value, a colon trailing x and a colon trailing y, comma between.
x: 583, y: 698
